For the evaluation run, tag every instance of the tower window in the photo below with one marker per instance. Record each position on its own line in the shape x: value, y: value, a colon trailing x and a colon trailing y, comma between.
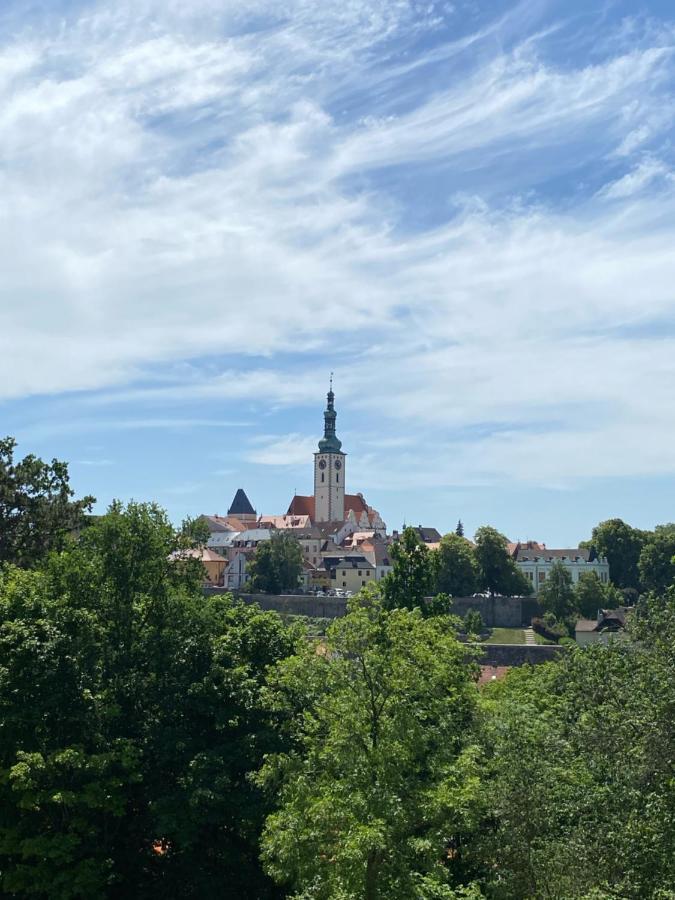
x: 337, y: 478
x: 323, y: 477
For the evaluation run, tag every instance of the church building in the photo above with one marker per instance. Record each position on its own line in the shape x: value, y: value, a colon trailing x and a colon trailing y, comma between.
x: 330, y: 504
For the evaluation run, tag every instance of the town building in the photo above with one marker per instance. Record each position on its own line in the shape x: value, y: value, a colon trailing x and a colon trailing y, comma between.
x: 349, y: 573
x: 330, y: 505
x: 610, y: 624
x: 536, y: 560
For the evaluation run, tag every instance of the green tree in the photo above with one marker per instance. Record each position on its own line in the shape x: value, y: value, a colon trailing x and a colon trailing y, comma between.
x: 133, y: 714
x: 579, y: 772
x: 456, y: 567
x: 591, y: 594
x: 621, y: 545
x: 557, y: 594
x: 378, y: 792
x: 37, y: 510
x: 473, y: 622
x: 498, y: 572
x: 656, y: 565
x: 277, y: 564
x: 459, y: 530
x: 196, y: 531
x: 411, y: 578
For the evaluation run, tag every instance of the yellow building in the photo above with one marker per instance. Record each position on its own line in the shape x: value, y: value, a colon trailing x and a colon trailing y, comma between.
x: 350, y: 573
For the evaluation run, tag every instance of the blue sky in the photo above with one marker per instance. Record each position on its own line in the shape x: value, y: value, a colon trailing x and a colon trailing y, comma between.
x: 466, y: 210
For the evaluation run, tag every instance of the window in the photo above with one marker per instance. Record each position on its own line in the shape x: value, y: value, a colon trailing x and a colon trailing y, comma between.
x: 542, y: 576
x: 344, y: 574
x: 344, y: 584
x: 323, y: 478
x: 359, y: 573
x: 337, y: 479
x: 363, y: 583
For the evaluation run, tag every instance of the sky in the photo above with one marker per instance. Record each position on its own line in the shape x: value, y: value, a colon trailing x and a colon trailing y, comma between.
x: 465, y: 210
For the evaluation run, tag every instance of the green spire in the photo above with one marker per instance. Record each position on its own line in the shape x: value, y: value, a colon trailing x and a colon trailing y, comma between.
x: 329, y: 443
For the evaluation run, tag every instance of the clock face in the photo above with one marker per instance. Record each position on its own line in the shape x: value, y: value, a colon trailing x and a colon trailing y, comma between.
x: 322, y: 463
x: 338, y: 464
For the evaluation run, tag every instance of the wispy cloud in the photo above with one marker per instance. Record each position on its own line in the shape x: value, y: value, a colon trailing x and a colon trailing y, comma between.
x: 470, y: 215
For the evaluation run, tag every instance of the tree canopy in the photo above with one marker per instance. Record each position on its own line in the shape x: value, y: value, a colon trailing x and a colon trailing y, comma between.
x: 411, y: 578
x: 456, y: 567
x: 498, y: 572
x: 37, y: 510
x: 277, y: 564
x: 621, y: 545
x: 556, y: 594
x: 133, y: 716
x: 380, y: 783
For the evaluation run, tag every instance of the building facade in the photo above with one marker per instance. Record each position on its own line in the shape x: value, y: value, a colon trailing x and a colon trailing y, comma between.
x: 535, y: 561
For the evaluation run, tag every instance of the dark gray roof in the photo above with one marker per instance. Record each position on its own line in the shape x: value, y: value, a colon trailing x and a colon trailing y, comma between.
x: 428, y: 535
x: 523, y: 553
x: 241, y: 505
x: 347, y: 562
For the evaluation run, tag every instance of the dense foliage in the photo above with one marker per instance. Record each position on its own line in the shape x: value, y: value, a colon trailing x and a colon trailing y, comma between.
x: 132, y: 713
x: 37, y: 510
x: 277, y: 564
x: 155, y: 742
x: 382, y: 777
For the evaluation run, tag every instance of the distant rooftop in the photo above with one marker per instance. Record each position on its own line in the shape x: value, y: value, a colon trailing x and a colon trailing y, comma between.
x: 241, y: 505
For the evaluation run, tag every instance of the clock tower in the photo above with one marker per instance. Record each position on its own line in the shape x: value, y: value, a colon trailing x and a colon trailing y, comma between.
x: 329, y: 470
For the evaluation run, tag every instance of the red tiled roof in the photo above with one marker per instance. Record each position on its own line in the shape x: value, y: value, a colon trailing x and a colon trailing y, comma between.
x: 304, y: 506
x: 492, y: 673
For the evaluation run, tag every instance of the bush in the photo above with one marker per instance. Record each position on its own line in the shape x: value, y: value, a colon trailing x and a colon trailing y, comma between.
x: 549, y: 627
x: 473, y: 622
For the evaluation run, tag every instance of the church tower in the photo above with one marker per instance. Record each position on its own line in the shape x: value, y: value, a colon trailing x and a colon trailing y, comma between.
x: 329, y: 470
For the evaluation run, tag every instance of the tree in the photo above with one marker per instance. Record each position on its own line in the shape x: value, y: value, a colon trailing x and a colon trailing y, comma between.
x: 621, y: 545
x: 378, y: 792
x: 277, y: 564
x: 556, y: 594
x: 456, y: 567
x: 498, y: 572
x: 459, y: 530
x: 656, y: 565
x: 196, y: 530
x: 411, y: 578
x: 579, y: 768
x: 473, y: 622
x: 37, y: 511
x: 133, y: 716
x: 591, y: 594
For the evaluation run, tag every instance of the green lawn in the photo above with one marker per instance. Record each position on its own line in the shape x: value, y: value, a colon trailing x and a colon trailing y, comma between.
x: 506, y: 636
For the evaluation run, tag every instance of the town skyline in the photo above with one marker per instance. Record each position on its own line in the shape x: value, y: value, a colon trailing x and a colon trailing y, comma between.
x: 271, y: 495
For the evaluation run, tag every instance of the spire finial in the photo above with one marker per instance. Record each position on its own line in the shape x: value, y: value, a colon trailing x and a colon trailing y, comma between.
x: 331, y: 381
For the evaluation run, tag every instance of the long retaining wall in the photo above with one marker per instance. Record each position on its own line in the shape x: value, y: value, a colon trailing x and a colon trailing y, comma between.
x: 496, y: 612
x: 516, y: 654
x: 296, y: 604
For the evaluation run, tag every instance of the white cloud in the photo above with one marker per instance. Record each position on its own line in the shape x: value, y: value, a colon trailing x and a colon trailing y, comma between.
x: 283, y: 450
x: 177, y: 185
x: 643, y: 175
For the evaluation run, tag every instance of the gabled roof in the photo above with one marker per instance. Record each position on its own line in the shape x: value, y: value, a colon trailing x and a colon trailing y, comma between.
x: 428, y: 535
x: 241, y: 505
x: 302, y: 505
x: 223, y: 523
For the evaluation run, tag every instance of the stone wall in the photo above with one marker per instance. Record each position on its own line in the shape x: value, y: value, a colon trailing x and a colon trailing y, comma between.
x: 497, y: 612
x: 517, y: 654
x: 297, y: 604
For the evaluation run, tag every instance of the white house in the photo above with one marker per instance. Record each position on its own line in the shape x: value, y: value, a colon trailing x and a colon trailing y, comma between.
x: 535, y: 561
